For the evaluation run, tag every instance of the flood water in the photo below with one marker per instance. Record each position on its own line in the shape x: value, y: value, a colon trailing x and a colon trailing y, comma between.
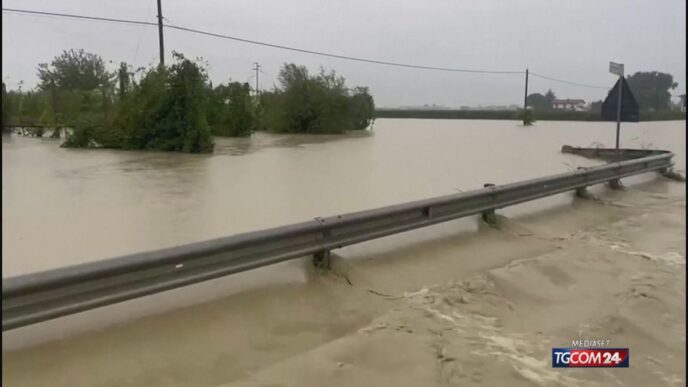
x: 68, y: 206
x: 65, y: 206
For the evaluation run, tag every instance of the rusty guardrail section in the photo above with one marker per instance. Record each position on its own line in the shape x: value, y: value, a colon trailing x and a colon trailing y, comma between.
x: 32, y: 298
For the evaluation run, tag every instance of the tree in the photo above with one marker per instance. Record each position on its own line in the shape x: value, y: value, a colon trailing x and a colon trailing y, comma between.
x: 47, y: 118
x: 74, y: 70
x: 123, y: 77
x: 651, y: 89
x: 596, y: 107
x: 167, y: 110
x: 527, y: 117
x: 362, y: 108
x: 5, y: 108
x: 538, y: 102
x: 233, y: 111
x: 550, y: 97
x: 164, y: 111
x: 315, y: 104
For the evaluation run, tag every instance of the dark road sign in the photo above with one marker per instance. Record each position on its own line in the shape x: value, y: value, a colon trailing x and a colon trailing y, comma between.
x: 629, y: 106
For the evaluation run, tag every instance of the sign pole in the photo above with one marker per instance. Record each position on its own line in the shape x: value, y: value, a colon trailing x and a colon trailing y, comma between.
x: 618, y: 69
x: 525, y: 99
x: 618, y: 112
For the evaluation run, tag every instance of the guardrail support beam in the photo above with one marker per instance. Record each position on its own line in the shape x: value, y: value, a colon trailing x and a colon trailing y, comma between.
x: 489, y: 216
x: 583, y: 193
x: 321, y: 259
x: 615, y: 184
x: 671, y: 174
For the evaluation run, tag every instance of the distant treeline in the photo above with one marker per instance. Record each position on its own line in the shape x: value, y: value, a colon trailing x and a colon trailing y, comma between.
x: 517, y: 115
x: 176, y: 107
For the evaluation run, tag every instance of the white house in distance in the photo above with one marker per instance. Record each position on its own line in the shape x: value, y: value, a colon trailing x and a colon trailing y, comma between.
x: 577, y: 105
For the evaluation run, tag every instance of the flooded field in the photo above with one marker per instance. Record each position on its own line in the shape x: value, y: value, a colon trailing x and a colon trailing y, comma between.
x: 465, y: 304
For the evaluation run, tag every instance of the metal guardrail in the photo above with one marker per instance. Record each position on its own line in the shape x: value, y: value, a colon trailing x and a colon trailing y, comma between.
x: 611, y: 154
x: 37, y: 297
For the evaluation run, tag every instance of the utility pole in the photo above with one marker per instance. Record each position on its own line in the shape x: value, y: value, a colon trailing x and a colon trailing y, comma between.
x: 162, y: 44
x: 256, y: 68
x: 525, y: 100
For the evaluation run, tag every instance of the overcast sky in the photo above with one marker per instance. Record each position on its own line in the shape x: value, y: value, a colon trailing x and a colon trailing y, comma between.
x: 572, y: 40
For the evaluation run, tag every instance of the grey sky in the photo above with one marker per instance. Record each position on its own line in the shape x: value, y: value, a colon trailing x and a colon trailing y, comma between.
x: 571, y: 40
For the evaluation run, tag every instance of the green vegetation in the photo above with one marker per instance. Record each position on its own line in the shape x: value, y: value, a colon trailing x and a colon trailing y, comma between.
x: 164, y: 111
x: 232, y: 111
x: 527, y: 117
x: 175, y: 108
x: 315, y: 104
x: 651, y: 89
x: 541, y: 103
x: 5, y: 108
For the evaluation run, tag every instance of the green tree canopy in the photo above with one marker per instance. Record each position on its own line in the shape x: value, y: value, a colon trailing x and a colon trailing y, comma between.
x: 5, y: 107
x: 166, y: 111
x: 596, y: 107
x: 232, y: 111
x: 550, y: 97
x: 651, y: 89
x: 538, y: 102
x: 315, y: 104
x: 74, y: 70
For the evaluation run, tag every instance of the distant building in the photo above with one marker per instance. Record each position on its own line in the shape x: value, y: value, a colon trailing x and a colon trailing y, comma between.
x: 577, y: 105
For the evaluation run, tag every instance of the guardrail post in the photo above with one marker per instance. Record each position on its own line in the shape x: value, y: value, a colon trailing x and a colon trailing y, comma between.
x: 321, y: 259
x: 615, y: 184
x: 671, y: 174
x: 489, y: 216
x: 582, y: 192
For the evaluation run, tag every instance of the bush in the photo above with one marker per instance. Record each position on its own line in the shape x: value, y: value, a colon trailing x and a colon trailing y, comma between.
x: 166, y: 111
x: 315, y: 104
x: 233, y: 110
x: 88, y: 133
x: 527, y: 117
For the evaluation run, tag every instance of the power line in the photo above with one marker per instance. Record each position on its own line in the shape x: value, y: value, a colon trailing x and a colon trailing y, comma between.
x: 106, y: 19
x: 568, y: 82
x: 283, y: 47
x: 289, y: 48
x: 345, y: 57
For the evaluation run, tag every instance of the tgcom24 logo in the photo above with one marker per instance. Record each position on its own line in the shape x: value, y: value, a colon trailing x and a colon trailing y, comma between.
x: 590, y: 357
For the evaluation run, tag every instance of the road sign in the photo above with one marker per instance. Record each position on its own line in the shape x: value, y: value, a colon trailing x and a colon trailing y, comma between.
x: 629, y: 105
x: 616, y: 68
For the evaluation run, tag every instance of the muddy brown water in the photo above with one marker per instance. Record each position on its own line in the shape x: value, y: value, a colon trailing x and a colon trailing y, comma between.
x: 66, y: 206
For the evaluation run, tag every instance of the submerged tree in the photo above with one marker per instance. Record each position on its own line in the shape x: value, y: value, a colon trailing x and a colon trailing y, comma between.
x: 528, y: 117
x: 315, y: 104
x: 79, y: 85
x: 5, y: 108
x: 166, y: 111
x: 651, y: 89
x: 74, y: 70
x: 232, y: 110
x: 362, y: 108
x: 541, y: 103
